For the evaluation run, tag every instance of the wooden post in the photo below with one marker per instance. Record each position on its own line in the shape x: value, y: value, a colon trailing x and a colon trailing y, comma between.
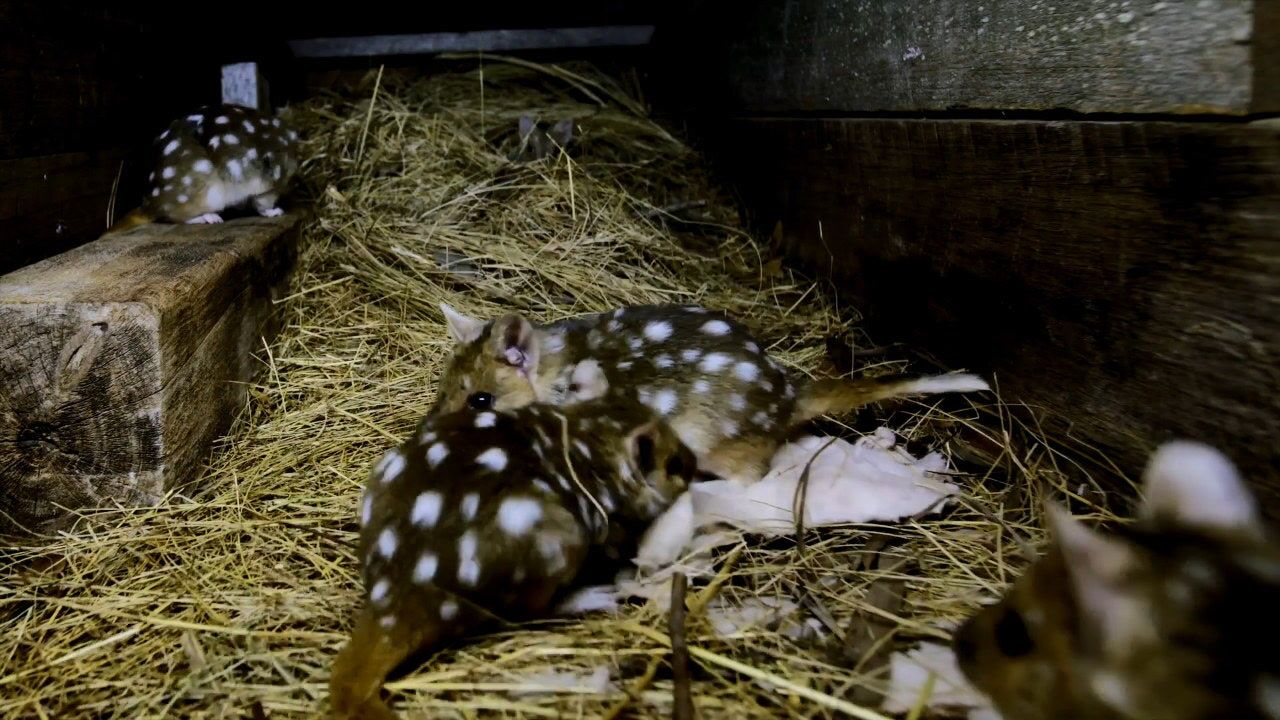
x: 243, y: 84
x: 121, y: 361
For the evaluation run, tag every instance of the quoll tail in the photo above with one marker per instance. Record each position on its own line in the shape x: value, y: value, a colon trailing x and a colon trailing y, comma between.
x: 843, y: 395
x: 355, y: 681
x: 129, y: 221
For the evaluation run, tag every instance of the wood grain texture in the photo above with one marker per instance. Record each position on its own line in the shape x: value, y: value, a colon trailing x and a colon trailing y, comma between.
x: 121, y: 361
x: 1124, y: 276
x: 852, y: 56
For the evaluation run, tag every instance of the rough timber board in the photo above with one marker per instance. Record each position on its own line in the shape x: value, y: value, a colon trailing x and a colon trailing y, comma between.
x: 122, y: 360
x: 1123, y: 275
x: 850, y: 56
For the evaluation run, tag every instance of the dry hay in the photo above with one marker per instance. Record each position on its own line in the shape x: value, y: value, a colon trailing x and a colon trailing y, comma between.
x: 239, y: 593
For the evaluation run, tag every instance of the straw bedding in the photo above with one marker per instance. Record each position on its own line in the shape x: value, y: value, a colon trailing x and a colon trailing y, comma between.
x: 231, y: 598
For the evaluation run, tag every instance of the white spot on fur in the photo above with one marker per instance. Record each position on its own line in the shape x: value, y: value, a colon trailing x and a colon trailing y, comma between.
x: 714, y: 362
x: 663, y: 361
x: 494, y: 459
x: 657, y: 330
x: 366, y: 510
x: 183, y: 198
x: 173, y: 145
x: 251, y: 154
x: 582, y: 448
x: 690, y: 355
x: 468, y: 565
x: 701, y: 387
x: 214, y: 142
x: 220, y: 120
x: 746, y: 371
x: 542, y: 486
x: 230, y: 139
x: 551, y: 550
x: 729, y: 428
x: 236, y: 169
x: 436, y: 454
x: 664, y: 401
x: 168, y: 173
x: 391, y: 465
x: 470, y: 503
x: 427, y: 437
x: 202, y: 166
x: 517, y: 515
x: 379, y: 591
x: 553, y: 343
x: 248, y: 127
x: 715, y: 327
x: 155, y: 192
x: 751, y: 347
x: 635, y: 343
x: 426, y: 509
x: 387, y: 621
x: 197, y: 119
x: 425, y: 570
x: 186, y: 180
x: 762, y: 419
x: 737, y: 402
x: 624, y: 365
x: 486, y: 420
x: 448, y: 610
x: 387, y: 542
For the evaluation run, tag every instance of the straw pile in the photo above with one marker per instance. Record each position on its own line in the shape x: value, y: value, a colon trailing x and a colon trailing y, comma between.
x: 231, y: 598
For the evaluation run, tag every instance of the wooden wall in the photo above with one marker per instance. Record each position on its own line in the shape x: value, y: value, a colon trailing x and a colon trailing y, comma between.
x: 1080, y: 198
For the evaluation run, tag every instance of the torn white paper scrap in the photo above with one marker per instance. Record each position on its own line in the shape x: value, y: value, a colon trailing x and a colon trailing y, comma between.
x: 871, y: 480
x: 552, y: 681
x: 909, y: 673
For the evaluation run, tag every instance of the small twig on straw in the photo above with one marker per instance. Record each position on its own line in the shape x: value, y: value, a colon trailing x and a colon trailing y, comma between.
x: 682, y: 695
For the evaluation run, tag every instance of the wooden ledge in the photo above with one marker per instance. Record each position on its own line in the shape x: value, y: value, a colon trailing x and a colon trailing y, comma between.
x: 122, y: 360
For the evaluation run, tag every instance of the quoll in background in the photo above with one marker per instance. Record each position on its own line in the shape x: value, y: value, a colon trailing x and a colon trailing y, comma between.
x: 1077, y: 200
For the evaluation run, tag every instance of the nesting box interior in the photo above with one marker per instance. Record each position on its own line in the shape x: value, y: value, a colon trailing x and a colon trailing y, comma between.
x: 1078, y: 201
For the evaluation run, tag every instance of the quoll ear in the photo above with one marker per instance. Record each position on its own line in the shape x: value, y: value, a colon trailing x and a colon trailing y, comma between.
x: 1099, y: 570
x: 515, y: 342
x: 526, y: 127
x: 654, y: 445
x: 1193, y: 485
x: 562, y: 132
x: 464, y: 329
x: 642, y: 446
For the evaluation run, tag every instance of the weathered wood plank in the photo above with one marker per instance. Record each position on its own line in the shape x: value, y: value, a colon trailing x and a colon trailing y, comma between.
x: 849, y: 56
x: 122, y: 360
x: 1124, y: 275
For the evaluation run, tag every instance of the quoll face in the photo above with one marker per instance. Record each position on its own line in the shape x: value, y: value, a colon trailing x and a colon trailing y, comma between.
x: 701, y: 371
x: 487, y: 515
x: 218, y: 158
x: 1171, y: 620
x: 539, y: 140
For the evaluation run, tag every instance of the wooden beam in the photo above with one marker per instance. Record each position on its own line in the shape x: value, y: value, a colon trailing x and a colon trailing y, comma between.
x: 1124, y: 276
x: 851, y: 56
x: 478, y: 41
x: 121, y: 361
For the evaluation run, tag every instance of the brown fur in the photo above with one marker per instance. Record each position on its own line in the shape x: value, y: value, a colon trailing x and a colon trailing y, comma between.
x: 732, y: 403
x: 131, y: 220
x: 1170, y: 620
x: 628, y: 464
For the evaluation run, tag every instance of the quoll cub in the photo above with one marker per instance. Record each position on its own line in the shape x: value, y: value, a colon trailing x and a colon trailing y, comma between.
x: 487, y: 515
x: 218, y: 158
x: 1172, y: 619
x: 726, y: 399
x: 539, y: 141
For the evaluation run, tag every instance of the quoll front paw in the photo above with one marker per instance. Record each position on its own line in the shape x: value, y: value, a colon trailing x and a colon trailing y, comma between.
x: 271, y: 212
x: 207, y: 218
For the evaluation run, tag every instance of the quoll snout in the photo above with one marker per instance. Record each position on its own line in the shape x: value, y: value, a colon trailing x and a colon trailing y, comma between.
x: 219, y: 158
x: 488, y: 516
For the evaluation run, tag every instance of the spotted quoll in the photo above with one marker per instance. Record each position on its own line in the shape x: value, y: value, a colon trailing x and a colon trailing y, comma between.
x: 1171, y: 619
x: 488, y: 515
x: 702, y: 371
x: 219, y: 158
x: 538, y: 141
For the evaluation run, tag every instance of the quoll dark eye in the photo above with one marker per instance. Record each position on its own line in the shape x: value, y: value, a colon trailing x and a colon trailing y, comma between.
x: 675, y: 466
x: 480, y: 400
x: 1012, y: 637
